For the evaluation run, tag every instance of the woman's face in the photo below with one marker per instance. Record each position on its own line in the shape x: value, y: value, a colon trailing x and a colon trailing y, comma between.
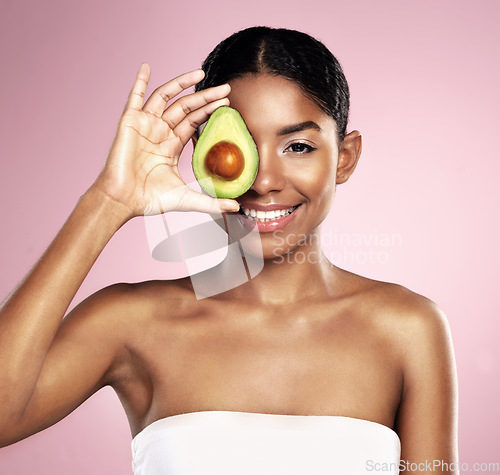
x: 298, y: 151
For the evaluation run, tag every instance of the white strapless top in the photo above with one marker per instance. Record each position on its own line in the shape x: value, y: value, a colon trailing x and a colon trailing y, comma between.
x: 247, y: 443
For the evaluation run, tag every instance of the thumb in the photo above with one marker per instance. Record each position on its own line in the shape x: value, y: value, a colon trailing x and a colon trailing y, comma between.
x: 195, y: 201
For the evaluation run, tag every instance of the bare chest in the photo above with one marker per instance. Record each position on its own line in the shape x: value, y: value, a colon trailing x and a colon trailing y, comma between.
x: 306, y: 360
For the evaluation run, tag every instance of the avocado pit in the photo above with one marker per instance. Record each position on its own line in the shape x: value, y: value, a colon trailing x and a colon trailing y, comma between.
x: 225, y: 160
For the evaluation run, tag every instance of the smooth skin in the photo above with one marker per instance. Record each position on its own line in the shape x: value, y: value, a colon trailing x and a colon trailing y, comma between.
x: 302, y: 337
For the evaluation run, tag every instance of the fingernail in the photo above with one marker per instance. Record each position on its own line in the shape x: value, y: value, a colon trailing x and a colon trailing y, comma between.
x: 234, y: 207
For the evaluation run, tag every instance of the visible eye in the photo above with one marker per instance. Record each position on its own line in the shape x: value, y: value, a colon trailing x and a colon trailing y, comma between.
x: 300, y: 148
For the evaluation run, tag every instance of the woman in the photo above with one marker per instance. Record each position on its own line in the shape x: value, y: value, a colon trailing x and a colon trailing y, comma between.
x: 305, y: 368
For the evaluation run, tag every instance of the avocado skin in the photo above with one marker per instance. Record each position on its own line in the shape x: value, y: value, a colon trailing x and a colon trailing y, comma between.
x: 226, y: 124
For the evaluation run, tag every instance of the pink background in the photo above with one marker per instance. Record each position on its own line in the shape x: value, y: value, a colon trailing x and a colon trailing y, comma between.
x: 423, y: 77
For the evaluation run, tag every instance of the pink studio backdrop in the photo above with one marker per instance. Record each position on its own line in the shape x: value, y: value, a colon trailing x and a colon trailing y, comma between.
x: 421, y: 209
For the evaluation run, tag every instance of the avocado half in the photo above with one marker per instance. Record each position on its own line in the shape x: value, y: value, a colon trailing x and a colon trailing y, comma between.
x: 226, y: 153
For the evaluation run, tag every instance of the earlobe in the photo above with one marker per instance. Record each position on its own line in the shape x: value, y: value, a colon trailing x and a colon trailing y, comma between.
x: 350, y: 151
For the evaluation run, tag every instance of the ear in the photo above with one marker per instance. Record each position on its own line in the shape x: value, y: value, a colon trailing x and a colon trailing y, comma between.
x: 349, y: 153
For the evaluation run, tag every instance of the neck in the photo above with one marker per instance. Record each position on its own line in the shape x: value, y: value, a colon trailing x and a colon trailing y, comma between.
x: 303, y: 273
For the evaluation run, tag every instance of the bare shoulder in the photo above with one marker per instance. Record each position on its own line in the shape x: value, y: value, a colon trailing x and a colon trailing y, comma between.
x: 114, y: 317
x: 405, y: 313
x: 110, y: 317
x: 421, y: 331
x: 414, y: 327
x: 417, y: 321
x: 132, y: 301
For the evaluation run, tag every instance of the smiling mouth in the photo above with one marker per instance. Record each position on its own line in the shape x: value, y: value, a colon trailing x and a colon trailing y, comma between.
x: 266, y: 216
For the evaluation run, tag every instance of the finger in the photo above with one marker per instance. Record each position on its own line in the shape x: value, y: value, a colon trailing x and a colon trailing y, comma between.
x: 158, y: 101
x: 187, y: 127
x: 194, y: 201
x: 190, y: 103
x: 138, y: 91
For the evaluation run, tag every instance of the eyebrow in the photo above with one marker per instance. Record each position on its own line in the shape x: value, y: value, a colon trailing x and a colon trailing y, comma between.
x: 290, y: 129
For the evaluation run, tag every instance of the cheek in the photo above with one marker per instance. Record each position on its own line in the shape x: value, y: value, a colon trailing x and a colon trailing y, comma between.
x: 316, y: 181
x: 323, y: 200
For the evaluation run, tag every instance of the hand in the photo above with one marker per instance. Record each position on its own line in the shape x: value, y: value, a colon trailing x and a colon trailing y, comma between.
x: 141, y: 170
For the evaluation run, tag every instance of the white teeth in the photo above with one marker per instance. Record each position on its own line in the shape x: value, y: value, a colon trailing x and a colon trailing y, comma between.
x: 265, y: 216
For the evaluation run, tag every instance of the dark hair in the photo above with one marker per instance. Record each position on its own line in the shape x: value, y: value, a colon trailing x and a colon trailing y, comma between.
x: 282, y: 52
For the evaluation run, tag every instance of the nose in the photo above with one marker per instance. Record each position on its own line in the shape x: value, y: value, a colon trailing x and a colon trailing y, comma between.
x: 270, y: 176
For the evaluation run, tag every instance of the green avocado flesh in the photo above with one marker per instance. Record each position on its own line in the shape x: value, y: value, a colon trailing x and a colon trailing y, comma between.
x: 226, y: 153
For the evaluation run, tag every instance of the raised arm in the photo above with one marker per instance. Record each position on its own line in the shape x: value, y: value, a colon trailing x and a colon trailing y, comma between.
x: 40, y: 359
